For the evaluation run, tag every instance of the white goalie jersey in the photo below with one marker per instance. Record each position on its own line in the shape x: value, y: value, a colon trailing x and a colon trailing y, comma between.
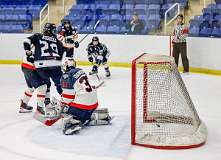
x: 77, y: 91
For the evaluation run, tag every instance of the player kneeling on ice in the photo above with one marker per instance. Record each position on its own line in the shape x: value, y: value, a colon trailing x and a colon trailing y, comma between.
x: 79, y: 101
x: 98, y: 54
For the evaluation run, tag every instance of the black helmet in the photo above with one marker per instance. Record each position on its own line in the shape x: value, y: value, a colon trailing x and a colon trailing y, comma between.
x: 49, y: 29
x: 66, y: 24
x: 65, y: 21
x: 95, y: 39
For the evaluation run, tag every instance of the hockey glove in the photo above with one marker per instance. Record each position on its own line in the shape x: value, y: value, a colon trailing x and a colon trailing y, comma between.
x: 90, y: 59
x: 30, y: 59
x: 76, y: 44
x: 69, y: 40
x: 28, y: 53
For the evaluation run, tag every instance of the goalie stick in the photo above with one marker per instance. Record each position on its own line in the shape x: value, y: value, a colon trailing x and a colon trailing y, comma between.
x: 50, y: 121
x: 94, y: 28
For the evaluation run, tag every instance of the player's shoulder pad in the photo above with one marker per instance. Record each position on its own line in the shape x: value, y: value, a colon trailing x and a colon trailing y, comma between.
x: 90, y: 44
x: 103, y: 45
x: 37, y: 35
x: 76, y: 73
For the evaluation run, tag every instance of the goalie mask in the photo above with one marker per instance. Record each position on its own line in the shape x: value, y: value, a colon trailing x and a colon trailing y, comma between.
x: 49, y: 29
x: 68, y: 64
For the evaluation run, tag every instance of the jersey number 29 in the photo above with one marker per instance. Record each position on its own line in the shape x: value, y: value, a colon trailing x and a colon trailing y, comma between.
x: 45, y: 48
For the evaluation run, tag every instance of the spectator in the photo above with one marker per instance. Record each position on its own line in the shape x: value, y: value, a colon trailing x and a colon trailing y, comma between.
x: 98, y: 14
x: 88, y: 17
x: 136, y: 25
x: 205, y: 24
x: 179, y: 43
x: 29, y: 18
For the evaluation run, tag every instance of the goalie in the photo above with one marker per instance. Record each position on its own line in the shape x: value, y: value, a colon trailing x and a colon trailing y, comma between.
x: 98, y: 54
x: 79, y: 101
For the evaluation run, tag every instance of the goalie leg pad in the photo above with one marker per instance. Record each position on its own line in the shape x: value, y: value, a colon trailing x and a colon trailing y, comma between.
x: 100, y: 117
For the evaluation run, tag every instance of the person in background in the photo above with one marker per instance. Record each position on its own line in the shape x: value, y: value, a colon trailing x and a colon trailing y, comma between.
x: 30, y: 18
x: 180, y: 34
x: 136, y: 25
x: 88, y: 17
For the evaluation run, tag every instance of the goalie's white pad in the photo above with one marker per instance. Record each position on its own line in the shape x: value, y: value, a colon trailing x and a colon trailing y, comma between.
x: 70, y: 125
x: 100, y: 117
x: 45, y: 120
x: 52, y: 115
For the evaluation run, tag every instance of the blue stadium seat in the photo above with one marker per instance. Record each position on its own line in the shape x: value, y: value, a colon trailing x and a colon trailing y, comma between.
x: 216, y: 32
x: 124, y: 30
x: 194, y: 31
x: 113, y: 29
x: 101, y: 29
x: 205, y: 32
x: 116, y: 17
x: 140, y: 6
x: 102, y: 6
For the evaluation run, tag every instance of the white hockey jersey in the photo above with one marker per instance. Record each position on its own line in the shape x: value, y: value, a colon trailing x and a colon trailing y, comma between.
x: 77, y: 91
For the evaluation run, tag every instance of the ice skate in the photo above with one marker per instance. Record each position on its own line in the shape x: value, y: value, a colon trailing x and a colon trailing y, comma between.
x: 24, y: 108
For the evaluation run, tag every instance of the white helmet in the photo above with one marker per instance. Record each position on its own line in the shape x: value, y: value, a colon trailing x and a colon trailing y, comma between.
x: 68, y: 63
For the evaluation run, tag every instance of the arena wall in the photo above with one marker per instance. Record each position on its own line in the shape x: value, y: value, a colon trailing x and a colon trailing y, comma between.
x: 204, y: 53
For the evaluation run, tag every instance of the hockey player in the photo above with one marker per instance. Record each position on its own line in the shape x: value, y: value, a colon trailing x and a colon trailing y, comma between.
x: 68, y: 36
x: 33, y: 81
x: 79, y: 101
x: 98, y: 54
x: 47, y: 54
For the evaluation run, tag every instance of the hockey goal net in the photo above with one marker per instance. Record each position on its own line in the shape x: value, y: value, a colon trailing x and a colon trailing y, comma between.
x: 163, y: 114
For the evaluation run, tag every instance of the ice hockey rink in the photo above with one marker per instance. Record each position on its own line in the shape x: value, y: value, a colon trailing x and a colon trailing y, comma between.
x: 23, y: 138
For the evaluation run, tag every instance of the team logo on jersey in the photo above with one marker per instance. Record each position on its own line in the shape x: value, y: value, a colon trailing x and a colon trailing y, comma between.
x: 65, y: 76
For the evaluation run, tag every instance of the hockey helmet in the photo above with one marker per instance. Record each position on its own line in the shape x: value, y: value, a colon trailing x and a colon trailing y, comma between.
x: 66, y: 24
x: 95, y: 40
x: 68, y: 64
x: 49, y: 29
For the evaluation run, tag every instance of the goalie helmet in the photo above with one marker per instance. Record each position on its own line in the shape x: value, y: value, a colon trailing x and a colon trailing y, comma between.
x: 49, y: 29
x: 68, y: 64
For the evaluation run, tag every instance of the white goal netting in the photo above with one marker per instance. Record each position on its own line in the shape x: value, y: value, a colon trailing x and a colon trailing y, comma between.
x: 164, y: 114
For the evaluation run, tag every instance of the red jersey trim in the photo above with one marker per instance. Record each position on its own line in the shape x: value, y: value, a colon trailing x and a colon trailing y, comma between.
x: 27, y: 94
x: 68, y: 96
x: 82, y: 106
x: 40, y: 96
x: 28, y: 66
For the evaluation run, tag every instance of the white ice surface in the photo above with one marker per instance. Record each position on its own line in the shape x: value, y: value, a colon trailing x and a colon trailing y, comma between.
x: 23, y: 138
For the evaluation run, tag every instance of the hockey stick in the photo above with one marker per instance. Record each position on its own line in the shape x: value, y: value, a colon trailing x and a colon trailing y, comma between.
x: 101, y: 82
x: 94, y: 28
x: 99, y: 85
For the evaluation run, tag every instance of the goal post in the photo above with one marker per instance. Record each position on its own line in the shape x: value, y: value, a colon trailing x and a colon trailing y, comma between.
x: 162, y: 113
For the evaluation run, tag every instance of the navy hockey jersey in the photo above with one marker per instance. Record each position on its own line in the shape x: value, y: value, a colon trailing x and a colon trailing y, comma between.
x: 48, y: 50
x: 99, y: 49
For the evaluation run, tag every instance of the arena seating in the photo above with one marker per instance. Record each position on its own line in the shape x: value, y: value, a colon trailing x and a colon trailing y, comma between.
x: 16, y: 16
x: 208, y: 24
x: 116, y: 14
